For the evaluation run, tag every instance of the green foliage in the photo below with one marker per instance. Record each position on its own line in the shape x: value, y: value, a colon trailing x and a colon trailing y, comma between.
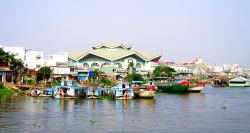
x: 135, y: 77
x: 96, y: 74
x: 131, y: 64
x: 10, y: 59
x: 43, y: 70
x: 1, y: 85
x: 26, y: 75
x: 56, y: 83
x: 108, y: 97
x: 160, y: 90
x: 106, y: 81
x: 223, y: 107
x: 163, y: 71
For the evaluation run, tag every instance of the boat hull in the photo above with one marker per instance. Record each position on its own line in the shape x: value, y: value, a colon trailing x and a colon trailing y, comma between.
x: 195, y: 89
x: 146, y: 94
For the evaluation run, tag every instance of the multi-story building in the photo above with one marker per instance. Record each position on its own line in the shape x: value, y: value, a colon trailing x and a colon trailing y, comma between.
x: 115, y: 54
x: 55, y: 58
x: 33, y: 59
x: 19, y: 52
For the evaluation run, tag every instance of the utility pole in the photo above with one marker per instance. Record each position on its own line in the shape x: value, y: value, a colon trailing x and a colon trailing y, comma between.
x: 44, y: 76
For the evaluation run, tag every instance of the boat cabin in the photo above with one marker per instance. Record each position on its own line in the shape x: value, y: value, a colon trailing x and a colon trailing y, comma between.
x: 238, y: 82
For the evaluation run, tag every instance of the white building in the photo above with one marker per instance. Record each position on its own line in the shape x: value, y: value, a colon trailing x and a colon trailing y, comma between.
x: 55, y: 58
x: 33, y: 59
x: 19, y: 52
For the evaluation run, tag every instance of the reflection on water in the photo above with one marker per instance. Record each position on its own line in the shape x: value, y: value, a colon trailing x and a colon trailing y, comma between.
x: 167, y: 112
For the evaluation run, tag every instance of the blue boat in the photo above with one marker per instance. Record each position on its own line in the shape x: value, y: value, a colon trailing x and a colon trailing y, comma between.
x: 69, y: 89
x: 122, y: 91
x: 94, y: 93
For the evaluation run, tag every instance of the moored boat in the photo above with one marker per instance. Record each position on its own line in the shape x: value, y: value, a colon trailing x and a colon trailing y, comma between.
x: 196, y: 87
x: 219, y: 82
x: 146, y: 90
x: 122, y: 91
x: 94, y: 93
x: 69, y: 89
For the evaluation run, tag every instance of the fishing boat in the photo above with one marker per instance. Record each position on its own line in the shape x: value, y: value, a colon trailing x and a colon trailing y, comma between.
x: 94, y: 93
x: 122, y: 91
x: 196, y: 87
x: 145, y: 90
x: 35, y: 92
x: 69, y: 89
x: 47, y: 92
x: 176, y: 86
x: 219, y: 82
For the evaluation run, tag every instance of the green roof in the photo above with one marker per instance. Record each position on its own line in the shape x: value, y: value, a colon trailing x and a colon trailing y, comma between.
x: 113, y: 55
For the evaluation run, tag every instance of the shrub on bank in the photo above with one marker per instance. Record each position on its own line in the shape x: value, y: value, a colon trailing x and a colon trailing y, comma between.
x: 1, y: 85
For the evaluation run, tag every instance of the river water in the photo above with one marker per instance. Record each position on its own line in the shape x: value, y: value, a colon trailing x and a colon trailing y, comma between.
x: 225, y: 110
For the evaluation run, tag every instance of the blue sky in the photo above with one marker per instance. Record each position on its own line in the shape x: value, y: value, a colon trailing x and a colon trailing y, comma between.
x: 216, y: 30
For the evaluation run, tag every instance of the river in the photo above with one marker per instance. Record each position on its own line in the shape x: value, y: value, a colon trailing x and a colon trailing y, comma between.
x: 225, y: 110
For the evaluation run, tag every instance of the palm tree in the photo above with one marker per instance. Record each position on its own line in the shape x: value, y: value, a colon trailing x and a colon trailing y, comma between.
x: 130, y: 67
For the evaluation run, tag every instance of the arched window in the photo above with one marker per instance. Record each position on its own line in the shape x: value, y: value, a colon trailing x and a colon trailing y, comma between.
x: 95, y: 65
x: 85, y: 65
x: 138, y: 65
x: 105, y: 64
x: 119, y: 65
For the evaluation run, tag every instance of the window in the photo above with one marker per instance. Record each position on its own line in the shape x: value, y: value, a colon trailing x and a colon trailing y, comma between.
x: 26, y: 65
x: 119, y: 65
x: 38, y: 65
x: 138, y: 65
x: 17, y: 54
x: 38, y: 57
x: 24, y: 57
x: 85, y: 65
x: 95, y: 65
x: 105, y: 64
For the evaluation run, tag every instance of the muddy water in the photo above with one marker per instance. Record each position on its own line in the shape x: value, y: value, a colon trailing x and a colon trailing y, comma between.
x: 212, y: 110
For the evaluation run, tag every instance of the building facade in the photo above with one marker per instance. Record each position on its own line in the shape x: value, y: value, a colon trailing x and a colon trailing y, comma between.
x: 118, y: 55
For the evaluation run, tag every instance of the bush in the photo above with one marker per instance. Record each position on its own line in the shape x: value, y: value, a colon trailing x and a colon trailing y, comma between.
x: 1, y: 85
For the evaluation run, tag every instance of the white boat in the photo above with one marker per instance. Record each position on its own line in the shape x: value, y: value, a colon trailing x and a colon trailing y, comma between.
x: 143, y: 93
x: 196, y: 87
x: 122, y: 91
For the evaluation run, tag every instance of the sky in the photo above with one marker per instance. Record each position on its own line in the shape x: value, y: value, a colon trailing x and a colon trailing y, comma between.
x: 216, y: 30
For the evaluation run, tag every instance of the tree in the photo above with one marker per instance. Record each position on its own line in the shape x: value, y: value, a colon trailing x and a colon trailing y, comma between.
x: 163, y: 71
x: 43, y: 71
x: 96, y: 74
x: 9, y: 58
x: 131, y: 64
x: 134, y: 76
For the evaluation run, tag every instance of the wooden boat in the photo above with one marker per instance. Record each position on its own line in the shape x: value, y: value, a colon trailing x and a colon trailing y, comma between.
x: 219, y: 82
x: 69, y: 89
x: 122, y: 91
x: 94, y: 94
x: 35, y: 93
x: 196, y: 87
x: 47, y: 93
x: 146, y: 91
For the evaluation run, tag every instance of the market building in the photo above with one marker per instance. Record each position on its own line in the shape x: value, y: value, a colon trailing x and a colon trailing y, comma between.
x: 116, y: 55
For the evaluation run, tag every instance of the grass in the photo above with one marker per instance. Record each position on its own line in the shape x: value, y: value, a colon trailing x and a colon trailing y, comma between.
x: 4, y: 91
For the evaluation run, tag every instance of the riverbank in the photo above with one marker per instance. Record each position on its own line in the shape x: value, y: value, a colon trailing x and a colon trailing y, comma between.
x: 6, y: 91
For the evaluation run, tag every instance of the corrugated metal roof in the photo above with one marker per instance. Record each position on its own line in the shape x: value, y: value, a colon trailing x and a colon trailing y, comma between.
x: 111, y: 45
x: 113, y: 55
